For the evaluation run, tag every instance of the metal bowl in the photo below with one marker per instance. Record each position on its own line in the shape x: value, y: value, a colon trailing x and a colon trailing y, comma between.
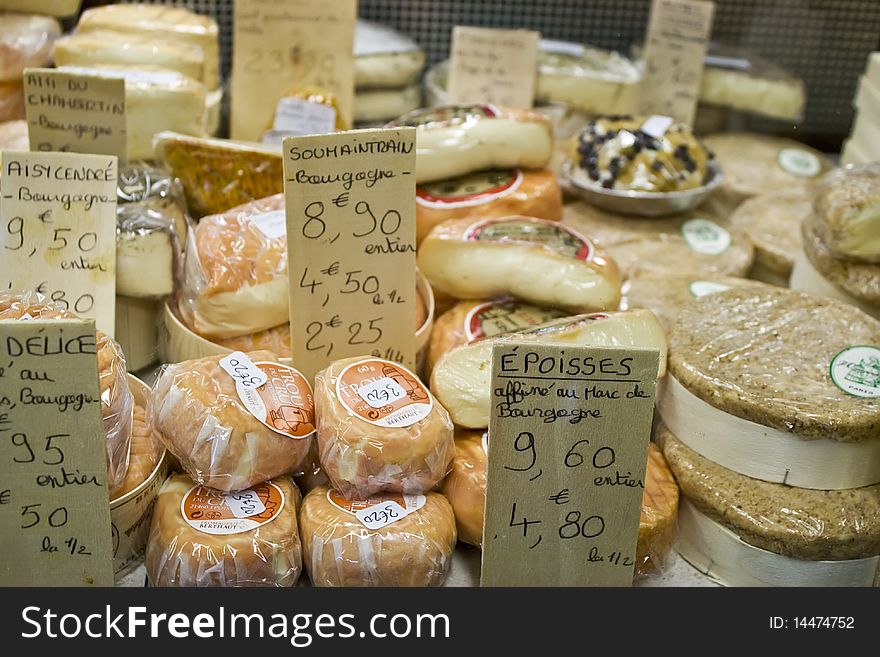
x: 643, y: 204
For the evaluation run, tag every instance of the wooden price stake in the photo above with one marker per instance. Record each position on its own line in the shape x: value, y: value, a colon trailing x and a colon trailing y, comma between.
x: 75, y: 112
x: 568, y: 448
x: 58, y: 230
x: 675, y: 48
x: 351, y: 234
x: 493, y: 66
x: 280, y: 44
x: 54, y: 510
x: 51, y: 7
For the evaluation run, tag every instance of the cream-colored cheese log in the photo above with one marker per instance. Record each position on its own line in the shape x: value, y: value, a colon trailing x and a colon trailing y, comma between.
x: 175, y: 24
x: 102, y: 47
x: 338, y: 550
x: 536, y: 260
x: 847, y: 208
x: 461, y: 380
x: 155, y: 100
x: 455, y: 140
x: 144, y: 264
x: 186, y: 548
x: 205, y: 422
x: 400, y: 442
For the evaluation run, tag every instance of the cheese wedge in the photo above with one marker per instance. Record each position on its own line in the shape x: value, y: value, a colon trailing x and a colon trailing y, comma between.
x: 535, y: 260
x: 102, y: 47
x: 218, y: 174
x: 339, y: 550
x: 204, y: 537
x: 380, y: 429
x: 457, y: 139
x: 173, y: 24
x: 25, y: 41
x: 155, y: 100
x: 461, y: 380
x: 147, y: 240
x: 492, y: 193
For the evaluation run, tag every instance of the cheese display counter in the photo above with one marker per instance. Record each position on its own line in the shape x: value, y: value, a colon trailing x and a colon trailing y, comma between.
x: 258, y: 427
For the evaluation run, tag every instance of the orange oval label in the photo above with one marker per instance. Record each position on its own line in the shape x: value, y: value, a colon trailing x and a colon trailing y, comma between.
x: 284, y: 403
x: 409, y: 503
x: 212, y: 511
x: 383, y: 393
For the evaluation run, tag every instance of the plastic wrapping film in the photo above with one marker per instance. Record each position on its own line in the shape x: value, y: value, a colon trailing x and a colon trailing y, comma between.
x: 767, y: 355
x: 795, y: 522
x: 117, y: 401
x: 753, y: 163
x: 12, y: 101
x: 235, y: 277
x: 492, y: 193
x: 697, y: 242
x: 859, y: 280
x: 461, y: 379
x: 538, y: 261
x: 398, y: 439
x: 772, y: 221
x: 143, y: 456
x: 25, y: 42
x: 455, y: 140
x: 625, y: 152
x: 847, y: 205
x: 384, y: 58
x: 204, y: 537
x: 465, y: 488
x: 339, y: 550
x: 218, y: 174
x: 467, y: 321
x: 209, y: 426
x: 14, y: 136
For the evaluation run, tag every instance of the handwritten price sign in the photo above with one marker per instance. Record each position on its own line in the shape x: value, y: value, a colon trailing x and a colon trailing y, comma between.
x: 280, y: 44
x: 351, y: 239
x: 568, y: 446
x: 54, y: 509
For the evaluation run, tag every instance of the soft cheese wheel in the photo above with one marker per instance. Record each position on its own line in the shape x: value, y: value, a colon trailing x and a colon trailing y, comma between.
x: 765, y: 355
x: 815, y: 525
x: 859, y: 280
x: 117, y: 400
x: 215, y: 433
x: 339, y: 550
x: 235, y: 276
x: 461, y: 380
x: 205, y: 537
x: 471, y: 320
x: 144, y: 454
x: 25, y: 42
x: 458, y: 139
x: 772, y: 221
x: 753, y: 164
x: 848, y: 212
x: 218, y: 174
x: 380, y: 429
x: 666, y: 294
x: 146, y: 241
x: 492, y: 193
x: 696, y: 242
x: 175, y: 24
x: 384, y: 58
x: 465, y: 485
x: 535, y: 260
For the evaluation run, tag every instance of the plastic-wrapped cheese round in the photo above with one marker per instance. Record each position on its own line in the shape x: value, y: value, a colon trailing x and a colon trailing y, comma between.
x: 380, y: 429
x: 144, y: 454
x: 492, y: 193
x: 695, y: 242
x: 339, y: 550
x: 461, y: 380
x: 848, y: 212
x: 204, y: 537
x: 214, y: 430
x: 465, y: 486
x: 458, y: 139
x: 535, y: 260
x: 117, y: 400
x: 467, y: 321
